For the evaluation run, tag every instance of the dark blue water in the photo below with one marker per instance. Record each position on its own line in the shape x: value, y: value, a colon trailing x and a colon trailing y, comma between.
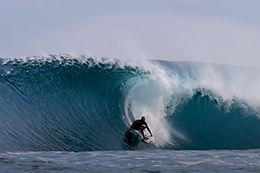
x: 64, y: 104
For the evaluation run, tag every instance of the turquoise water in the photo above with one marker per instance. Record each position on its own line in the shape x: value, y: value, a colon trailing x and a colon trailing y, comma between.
x: 63, y: 113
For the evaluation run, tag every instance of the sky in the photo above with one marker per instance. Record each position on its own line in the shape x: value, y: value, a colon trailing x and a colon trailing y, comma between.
x: 215, y: 31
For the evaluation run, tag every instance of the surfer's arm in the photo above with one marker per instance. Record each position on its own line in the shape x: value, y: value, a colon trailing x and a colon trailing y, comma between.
x: 148, y: 129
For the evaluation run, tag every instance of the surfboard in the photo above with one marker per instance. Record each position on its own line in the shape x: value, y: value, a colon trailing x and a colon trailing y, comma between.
x: 146, y: 134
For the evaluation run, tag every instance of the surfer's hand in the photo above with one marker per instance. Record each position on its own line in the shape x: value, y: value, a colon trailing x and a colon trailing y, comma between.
x: 130, y: 131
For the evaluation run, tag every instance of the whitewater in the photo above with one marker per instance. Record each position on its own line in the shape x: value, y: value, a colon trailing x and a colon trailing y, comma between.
x: 66, y: 113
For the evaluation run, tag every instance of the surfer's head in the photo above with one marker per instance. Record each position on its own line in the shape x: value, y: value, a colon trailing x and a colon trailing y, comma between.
x: 143, y: 118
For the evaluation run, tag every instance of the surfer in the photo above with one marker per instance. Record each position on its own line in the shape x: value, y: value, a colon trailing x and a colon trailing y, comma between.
x: 140, y: 125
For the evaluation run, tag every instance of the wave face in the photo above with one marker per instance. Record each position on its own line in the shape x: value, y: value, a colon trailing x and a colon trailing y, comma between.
x: 65, y: 103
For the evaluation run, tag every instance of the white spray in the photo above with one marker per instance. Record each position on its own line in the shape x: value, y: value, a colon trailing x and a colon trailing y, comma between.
x: 150, y: 97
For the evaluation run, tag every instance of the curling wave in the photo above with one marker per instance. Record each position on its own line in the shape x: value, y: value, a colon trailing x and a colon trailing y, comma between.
x: 65, y: 103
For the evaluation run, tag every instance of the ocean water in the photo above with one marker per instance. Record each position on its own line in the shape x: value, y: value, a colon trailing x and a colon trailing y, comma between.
x: 132, y: 161
x: 61, y: 113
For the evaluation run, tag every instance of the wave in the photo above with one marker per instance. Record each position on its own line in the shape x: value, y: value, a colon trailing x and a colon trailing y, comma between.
x: 66, y: 103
